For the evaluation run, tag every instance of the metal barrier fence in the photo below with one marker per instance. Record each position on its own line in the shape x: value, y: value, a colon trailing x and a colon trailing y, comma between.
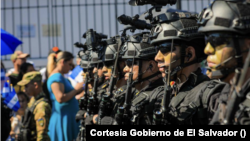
x: 42, y: 24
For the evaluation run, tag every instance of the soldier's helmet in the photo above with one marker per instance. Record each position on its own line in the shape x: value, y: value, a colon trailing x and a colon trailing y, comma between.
x: 138, y: 47
x: 85, y: 59
x: 226, y: 16
x: 177, y: 26
x: 182, y: 29
x: 111, y: 50
x: 230, y: 18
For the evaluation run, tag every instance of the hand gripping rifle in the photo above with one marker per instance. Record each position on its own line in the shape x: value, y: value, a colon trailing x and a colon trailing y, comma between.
x: 93, y: 101
x: 123, y: 111
x: 237, y: 94
x: 160, y: 117
x: 105, y: 103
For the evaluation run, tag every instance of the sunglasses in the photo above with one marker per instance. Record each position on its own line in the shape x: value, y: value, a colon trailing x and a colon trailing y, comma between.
x: 93, y: 65
x: 129, y: 62
x: 165, y: 47
x: 218, y: 39
x: 108, y: 64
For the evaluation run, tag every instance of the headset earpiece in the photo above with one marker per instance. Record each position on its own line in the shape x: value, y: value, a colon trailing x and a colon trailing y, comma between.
x: 150, y: 66
x: 189, y: 55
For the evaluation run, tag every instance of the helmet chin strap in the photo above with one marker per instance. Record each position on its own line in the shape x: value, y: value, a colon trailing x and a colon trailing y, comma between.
x: 146, y: 78
x: 180, y: 67
x: 224, y: 72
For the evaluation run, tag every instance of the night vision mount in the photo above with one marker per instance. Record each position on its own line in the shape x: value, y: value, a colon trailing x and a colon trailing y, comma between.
x: 94, y: 39
x: 157, y: 5
x: 152, y: 2
x: 147, y: 19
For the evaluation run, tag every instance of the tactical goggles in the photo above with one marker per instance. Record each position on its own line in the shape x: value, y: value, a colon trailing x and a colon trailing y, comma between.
x: 165, y: 47
x: 217, y: 39
x: 129, y: 62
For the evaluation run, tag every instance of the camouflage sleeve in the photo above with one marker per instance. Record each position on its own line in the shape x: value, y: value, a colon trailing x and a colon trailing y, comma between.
x: 42, y: 115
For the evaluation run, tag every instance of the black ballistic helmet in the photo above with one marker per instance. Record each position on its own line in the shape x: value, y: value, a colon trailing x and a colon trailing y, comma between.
x: 226, y: 16
x: 182, y: 28
x: 175, y: 25
x: 138, y: 47
x: 231, y: 17
x: 85, y: 59
x: 111, y: 49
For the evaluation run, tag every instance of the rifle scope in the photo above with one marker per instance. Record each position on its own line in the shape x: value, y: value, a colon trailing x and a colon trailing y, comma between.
x: 153, y: 2
x: 137, y: 23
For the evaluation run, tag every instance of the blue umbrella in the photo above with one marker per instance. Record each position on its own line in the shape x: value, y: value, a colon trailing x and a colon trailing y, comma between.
x: 9, y: 43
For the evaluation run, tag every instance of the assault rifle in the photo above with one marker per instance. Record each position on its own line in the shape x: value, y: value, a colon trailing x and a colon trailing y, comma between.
x: 127, y: 103
x: 160, y: 117
x: 106, y: 98
x: 237, y: 94
x: 84, y: 99
x: 92, y: 106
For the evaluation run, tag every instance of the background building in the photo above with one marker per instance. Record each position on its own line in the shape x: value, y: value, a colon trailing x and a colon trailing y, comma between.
x: 42, y: 24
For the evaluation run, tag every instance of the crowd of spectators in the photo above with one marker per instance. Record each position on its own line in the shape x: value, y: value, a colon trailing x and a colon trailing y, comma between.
x: 56, y: 86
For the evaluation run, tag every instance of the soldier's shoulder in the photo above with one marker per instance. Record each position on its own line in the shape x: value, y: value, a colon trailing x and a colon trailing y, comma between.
x: 43, y: 104
x: 31, y: 101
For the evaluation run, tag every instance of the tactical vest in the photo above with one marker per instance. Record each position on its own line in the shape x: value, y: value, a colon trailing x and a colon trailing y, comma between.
x: 243, y: 114
x: 27, y: 132
x: 143, y: 105
x: 190, y: 105
x: 116, y: 101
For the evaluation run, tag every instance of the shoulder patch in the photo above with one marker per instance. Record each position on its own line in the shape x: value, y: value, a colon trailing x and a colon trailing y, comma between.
x: 137, y: 93
x: 120, y: 90
x: 41, y: 122
x: 104, y: 86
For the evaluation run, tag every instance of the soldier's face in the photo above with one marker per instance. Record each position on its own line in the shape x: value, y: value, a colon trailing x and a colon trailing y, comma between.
x: 107, y: 71
x: 29, y: 89
x: 121, y: 65
x: 128, y: 69
x: 219, y: 49
x: 20, y: 61
x: 23, y: 102
x: 163, y: 58
x: 99, y: 71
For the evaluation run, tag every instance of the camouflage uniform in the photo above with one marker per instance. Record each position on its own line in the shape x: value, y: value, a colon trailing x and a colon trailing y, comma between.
x: 41, y: 115
x: 36, y: 119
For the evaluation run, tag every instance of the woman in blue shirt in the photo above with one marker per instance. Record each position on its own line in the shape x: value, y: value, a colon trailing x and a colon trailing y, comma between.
x: 62, y: 124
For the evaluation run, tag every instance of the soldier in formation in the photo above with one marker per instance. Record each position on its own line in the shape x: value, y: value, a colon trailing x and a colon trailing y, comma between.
x: 155, y: 78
